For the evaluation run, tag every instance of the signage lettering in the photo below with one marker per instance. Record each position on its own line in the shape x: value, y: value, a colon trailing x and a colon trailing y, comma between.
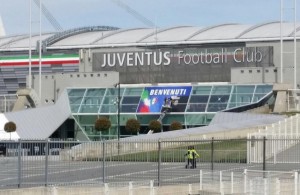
x: 158, y: 58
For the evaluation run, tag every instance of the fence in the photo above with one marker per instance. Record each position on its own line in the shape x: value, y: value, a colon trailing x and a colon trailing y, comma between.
x: 7, y: 102
x: 281, y: 142
x: 293, y: 100
x: 30, y: 163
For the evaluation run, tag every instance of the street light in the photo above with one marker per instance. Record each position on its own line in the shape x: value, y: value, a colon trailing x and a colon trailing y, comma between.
x: 118, y: 102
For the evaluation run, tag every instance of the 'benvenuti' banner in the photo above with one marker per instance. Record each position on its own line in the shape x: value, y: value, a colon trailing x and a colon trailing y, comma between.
x: 154, y: 98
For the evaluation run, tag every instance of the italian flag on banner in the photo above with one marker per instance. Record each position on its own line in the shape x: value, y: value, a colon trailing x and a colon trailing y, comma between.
x: 50, y: 59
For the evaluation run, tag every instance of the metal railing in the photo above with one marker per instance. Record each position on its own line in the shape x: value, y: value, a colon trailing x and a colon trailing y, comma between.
x: 7, y: 102
x: 31, y: 163
x: 293, y: 100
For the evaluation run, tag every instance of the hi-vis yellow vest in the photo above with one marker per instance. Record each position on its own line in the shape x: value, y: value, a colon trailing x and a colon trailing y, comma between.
x: 192, y: 154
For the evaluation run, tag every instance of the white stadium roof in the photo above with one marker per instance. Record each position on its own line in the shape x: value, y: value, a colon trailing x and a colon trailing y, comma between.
x: 103, y: 36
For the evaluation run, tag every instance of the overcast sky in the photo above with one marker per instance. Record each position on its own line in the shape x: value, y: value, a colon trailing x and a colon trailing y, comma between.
x: 163, y: 13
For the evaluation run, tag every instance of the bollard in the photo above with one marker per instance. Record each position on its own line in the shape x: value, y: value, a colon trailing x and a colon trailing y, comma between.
x: 200, y: 187
x: 106, y: 189
x: 130, y: 188
x: 190, y: 188
x: 151, y: 187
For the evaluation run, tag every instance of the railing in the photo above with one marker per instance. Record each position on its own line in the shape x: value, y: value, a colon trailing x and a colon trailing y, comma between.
x: 7, y: 102
x: 32, y: 163
x: 293, y: 100
x: 279, y: 138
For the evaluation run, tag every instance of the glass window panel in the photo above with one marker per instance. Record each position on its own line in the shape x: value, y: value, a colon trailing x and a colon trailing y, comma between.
x: 111, y: 108
x: 133, y: 91
x: 110, y: 100
x: 170, y: 118
x: 131, y: 100
x: 257, y: 97
x: 196, y: 108
x: 125, y: 118
x: 128, y: 108
x: 76, y: 92
x: 216, y: 107
x: 201, y: 90
x: 243, y: 89
x: 145, y: 119
x: 89, y: 109
x: 196, y: 119
x: 114, y: 91
x: 95, y: 92
x: 75, y: 100
x: 74, y: 108
x: 232, y: 105
x: 263, y: 89
x: 92, y: 100
x: 86, y: 119
x: 199, y: 99
x: 241, y: 98
x: 178, y: 108
x: 219, y: 98
x: 221, y: 90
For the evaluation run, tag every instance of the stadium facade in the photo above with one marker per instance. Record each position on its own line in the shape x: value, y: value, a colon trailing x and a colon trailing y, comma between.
x: 203, y: 69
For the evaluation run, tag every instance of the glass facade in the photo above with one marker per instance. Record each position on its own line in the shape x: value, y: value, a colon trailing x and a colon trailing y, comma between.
x: 193, y: 105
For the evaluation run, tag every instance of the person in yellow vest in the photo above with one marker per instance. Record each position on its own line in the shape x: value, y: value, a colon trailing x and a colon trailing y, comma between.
x: 191, y: 156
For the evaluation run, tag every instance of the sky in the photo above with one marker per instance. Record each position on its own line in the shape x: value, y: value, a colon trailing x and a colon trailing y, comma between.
x: 161, y: 13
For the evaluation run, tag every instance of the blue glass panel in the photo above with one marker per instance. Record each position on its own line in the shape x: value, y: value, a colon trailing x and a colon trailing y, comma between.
x: 114, y: 91
x: 89, y: 109
x: 263, y: 89
x: 216, y: 107
x: 201, y: 90
x: 199, y: 99
x: 221, y: 90
x: 129, y: 108
x: 133, y: 91
x: 95, y: 92
x: 232, y: 105
x: 219, y: 98
x: 257, y: 97
x: 131, y: 100
x: 110, y: 100
x: 76, y: 92
x: 171, y: 118
x: 196, y: 108
x: 74, y: 108
x: 75, y: 100
x: 109, y: 108
x: 243, y: 89
x: 241, y: 98
x: 92, y: 100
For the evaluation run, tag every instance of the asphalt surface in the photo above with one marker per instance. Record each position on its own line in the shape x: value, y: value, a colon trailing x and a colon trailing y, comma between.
x: 33, y: 171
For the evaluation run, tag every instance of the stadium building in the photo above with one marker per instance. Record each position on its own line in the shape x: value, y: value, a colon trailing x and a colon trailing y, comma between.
x: 133, y: 73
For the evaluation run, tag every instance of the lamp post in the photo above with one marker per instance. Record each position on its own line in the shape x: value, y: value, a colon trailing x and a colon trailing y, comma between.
x: 118, y: 103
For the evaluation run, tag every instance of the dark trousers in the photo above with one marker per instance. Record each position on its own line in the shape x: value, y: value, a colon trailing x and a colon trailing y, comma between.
x: 192, y: 162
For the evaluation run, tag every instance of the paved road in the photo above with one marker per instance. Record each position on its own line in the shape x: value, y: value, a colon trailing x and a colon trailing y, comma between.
x: 93, y: 172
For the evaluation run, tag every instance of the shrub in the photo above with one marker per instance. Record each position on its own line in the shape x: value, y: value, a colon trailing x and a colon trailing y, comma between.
x: 155, y: 126
x: 102, y: 124
x: 132, y: 125
x: 10, y: 127
x: 175, y: 125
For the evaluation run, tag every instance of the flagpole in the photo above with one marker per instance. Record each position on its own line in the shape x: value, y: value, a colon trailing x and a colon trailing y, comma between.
x: 40, y: 53
x: 30, y: 36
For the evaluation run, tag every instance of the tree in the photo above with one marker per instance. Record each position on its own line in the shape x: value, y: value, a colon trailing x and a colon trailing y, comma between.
x: 175, y: 125
x: 132, y: 126
x: 155, y: 126
x: 10, y: 127
x: 102, y: 124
